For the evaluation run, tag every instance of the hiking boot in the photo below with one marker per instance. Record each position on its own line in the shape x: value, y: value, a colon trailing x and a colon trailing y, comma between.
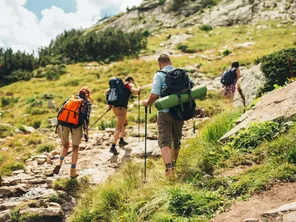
x: 122, y: 143
x: 73, y: 173
x: 114, y: 151
x: 56, y: 170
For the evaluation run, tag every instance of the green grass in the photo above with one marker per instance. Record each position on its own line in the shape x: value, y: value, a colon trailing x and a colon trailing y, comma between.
x: 192, y: 197
x: 18, y: 149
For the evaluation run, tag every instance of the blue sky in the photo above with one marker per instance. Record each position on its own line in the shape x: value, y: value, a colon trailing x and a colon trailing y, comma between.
x: 37, y: 6
x: 30, y: 24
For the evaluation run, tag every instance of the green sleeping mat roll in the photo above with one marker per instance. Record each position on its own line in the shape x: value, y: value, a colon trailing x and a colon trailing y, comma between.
x: 172, y: 100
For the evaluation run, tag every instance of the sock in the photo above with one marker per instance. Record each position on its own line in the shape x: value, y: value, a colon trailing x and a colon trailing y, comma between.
x: 173, y: 163
x: 73, y: 166
x: 121, y: 140
x: 113, y: 145
x: 62, y: 158
x: 168, y: 166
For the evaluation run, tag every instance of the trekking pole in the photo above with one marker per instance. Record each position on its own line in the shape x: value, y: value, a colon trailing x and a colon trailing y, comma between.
x: 145, y: 151
x: 100, y: 117
x: 139, y: 118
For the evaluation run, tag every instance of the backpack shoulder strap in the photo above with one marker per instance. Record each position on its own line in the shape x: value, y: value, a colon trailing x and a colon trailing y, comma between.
x: 165, y: 72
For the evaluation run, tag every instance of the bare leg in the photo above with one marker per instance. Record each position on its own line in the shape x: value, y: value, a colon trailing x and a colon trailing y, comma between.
x: 116, y: 135
x: 175, y: 154
x: 122, y: 133
x: 75, y: 154
x: 166, y: 155
x: 63, y: 153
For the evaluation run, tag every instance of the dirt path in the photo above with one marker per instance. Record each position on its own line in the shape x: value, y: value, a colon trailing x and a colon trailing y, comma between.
x: 278, y: 195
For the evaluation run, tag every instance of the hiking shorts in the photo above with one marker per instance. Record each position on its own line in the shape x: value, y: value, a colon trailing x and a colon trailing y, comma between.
x: 120, y: 113
x: 169, y: 130
x: 229, y: 90
x: 76, y: 135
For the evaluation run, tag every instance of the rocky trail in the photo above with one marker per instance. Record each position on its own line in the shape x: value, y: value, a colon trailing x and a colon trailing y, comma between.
x: 95, y: 161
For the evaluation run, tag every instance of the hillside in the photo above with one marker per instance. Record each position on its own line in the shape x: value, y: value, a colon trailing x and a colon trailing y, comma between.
x: 203, y: 37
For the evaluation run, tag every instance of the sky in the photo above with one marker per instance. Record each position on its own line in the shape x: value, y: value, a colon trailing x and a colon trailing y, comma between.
x: 27, y: 25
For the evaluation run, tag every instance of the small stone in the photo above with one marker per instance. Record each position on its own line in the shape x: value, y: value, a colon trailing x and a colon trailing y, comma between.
x: 7, y: 191
x: 41, y: 161
x: 49, y: 161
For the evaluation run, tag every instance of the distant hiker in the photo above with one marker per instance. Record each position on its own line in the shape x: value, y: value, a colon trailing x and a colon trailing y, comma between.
x: 229, y: 80
x: 169, y: 125
x: 73, y: 116
x: 117, y: 97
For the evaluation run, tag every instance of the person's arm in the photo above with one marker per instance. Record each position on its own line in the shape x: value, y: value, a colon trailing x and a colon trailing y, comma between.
x: 151, y: 99
x: 155, y: 91
x: 133, y: 89
x: 237, y: 73
x: 106, y: 92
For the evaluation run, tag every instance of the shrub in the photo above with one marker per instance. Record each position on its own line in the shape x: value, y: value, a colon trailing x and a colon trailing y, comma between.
x: 275, y: 67
x: 181, y: 203
x: 255, y: 134
x: 146, y: 33
x: 206, y: 27
x: 292, y: 155
x: 220, y: 125
x: 5, y: 131
x: 52, y: 75
x: 6, y: 101
x: 226, y: 52
x: 45, y: 148
x: 19, y: 75
x: 36, y: 124
x: 182, y: 47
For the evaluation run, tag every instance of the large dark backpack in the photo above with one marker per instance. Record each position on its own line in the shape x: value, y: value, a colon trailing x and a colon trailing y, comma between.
x: 228, y: 77
x: 117, y: 92
x: 72, y: 113
x: 177, y: 82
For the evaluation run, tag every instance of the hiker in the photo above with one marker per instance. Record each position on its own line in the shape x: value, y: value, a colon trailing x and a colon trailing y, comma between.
x: 64, y: 128
x: 229, y: 80
x: 169, y: 128
x: 122, y: 93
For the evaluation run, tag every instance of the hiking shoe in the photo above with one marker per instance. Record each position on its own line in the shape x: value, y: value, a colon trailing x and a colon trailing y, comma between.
x: 114, y: 151
x: 56, y: 170
x: 73, y: 173
x: 122, y: 143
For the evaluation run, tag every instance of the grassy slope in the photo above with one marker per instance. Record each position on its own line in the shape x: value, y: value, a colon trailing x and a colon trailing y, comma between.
x: 153, y: 200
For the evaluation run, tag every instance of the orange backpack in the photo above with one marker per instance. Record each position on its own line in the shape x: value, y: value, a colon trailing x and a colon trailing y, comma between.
x: 71, y: 114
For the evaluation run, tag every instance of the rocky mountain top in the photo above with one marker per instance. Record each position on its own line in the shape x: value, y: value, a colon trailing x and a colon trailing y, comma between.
x: 153, y: 15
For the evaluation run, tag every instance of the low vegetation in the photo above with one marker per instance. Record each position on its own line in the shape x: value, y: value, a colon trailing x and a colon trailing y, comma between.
x: 278, y: 67
x: 196, y: 195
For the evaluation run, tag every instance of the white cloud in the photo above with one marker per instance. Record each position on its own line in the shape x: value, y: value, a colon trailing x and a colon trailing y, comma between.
x: 21, y: 30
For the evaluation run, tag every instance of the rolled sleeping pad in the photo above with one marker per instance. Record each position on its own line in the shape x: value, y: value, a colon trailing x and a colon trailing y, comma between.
x: 172, y: 100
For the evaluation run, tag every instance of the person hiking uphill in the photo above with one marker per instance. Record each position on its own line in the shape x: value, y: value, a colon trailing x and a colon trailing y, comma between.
x: 82, y: 103
x: 168, y: 128
x: 119, y: 107
x: 229, y: 80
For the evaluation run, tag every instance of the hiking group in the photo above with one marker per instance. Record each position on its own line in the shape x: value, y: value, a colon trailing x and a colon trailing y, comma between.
x: 73, y: 116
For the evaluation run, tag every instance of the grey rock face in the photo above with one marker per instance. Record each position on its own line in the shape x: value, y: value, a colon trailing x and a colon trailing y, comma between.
x: 251, y: 81
x: 275, y: 104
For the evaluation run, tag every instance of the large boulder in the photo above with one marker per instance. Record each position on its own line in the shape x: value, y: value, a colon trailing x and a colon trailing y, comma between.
x: 251, y: 81
x: 279, y: 103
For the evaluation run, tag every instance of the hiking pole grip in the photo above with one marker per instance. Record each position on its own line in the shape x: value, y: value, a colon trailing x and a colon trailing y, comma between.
x: 145, y: 150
